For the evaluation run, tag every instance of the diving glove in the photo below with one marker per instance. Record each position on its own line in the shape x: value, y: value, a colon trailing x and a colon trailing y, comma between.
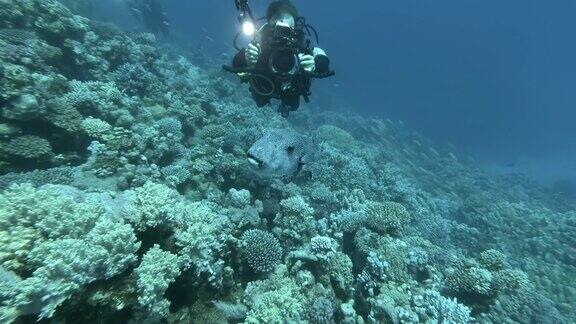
x: 252, y: 53
x: 317, y: 62
x: 321, y: 61
x: 307, y: 62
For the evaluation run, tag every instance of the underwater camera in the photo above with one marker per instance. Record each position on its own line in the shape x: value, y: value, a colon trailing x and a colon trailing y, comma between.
x: 283, y: 60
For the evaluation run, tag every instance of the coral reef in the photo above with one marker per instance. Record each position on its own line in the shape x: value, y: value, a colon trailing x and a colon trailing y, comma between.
x: 262, y: 250
x: 125, y: 196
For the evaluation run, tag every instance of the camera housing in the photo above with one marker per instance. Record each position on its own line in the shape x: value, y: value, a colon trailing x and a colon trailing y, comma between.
x: 284, y: 62
x: 284, y: 35
x: 284, y: 48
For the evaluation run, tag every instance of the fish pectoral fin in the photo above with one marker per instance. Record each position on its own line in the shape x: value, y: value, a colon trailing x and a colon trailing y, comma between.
x: 300, y: 166
x: 302, y: 176
x: 300, y: 170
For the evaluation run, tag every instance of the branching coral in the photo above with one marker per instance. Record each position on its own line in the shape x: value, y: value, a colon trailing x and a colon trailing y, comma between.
x: 470, y: 281
x: 387, y: 218
x: 38, y: 178
x: 96, y: 128
x: 74, y: 245
x: 134, y: 79
x: 295, y: 221
x: 152, y: 205
x: 321, y: 311
x: 29, y: 147
x: 273, y: 300
x: 201, y: 235
x: 156, y: 271
x: 261, y: 250
x: 492, y: 260
x: 440, y: 309
x: 336, y: 137
x: 30, y: 215
x: 101, y: 100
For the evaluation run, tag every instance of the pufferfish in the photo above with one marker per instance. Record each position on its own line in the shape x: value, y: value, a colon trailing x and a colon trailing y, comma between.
x: 281, y: 153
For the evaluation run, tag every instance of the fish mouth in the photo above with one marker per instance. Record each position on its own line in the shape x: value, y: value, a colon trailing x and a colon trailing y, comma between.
x: 255, y: 161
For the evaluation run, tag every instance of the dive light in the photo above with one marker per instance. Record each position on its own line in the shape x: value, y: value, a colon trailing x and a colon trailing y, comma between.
x: 248, y: 27
x: 246, y: 19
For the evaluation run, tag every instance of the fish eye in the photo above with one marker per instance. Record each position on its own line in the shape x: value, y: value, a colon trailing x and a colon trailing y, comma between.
x: 290, y: 149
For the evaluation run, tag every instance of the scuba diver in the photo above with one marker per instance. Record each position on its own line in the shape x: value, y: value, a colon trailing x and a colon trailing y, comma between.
x: 279, y: 62
x: 152, y: 15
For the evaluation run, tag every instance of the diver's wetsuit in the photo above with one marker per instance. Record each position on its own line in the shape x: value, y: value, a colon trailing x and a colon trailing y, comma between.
x: 287, y: 89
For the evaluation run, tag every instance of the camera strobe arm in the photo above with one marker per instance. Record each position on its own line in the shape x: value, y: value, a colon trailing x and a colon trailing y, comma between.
x: 325, y: 75
x: 244, y: 9
x: 315, y: 75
